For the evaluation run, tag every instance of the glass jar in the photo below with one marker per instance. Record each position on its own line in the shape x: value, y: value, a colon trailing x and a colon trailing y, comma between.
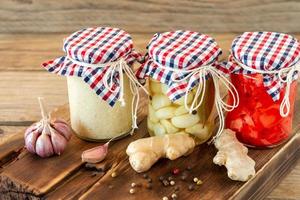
x: 257, y: 120
x: 167, y: 117
x: 92, y: 118
x: 101, y: 84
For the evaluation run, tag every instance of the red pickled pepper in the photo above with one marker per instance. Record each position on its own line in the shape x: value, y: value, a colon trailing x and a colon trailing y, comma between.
x: 257, y: 120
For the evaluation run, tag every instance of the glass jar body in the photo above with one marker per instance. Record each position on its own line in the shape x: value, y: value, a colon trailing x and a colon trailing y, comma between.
x: 167, y: 117
x: 257, y: 120
x: 92, y: 118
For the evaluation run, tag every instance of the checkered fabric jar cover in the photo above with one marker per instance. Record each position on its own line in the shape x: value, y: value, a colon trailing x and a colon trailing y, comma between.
x: 266, y: 53
x: 170, y: 52
x: 95, y: 46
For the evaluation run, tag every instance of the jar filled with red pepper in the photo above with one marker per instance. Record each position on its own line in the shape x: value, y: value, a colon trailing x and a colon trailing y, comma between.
x: 264, y: 67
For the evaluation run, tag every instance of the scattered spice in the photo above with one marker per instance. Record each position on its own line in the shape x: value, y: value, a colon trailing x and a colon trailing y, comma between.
x: 170, y: 178
x: 191, y: 187
x: 172, y: 182
x: 194, y: 112
x: 132, y: 191
x: 184, y: 176
x: 174, y: 196
x: 114, y: 174
x: 161, y: 178
x: 165, y: 182
x: 133, y: 184
x: 195, y: 179
x: 165, y: 198
x: 176, y: 171
x: 199, y: 182
x: 145, y: 176
x: 150, y: 97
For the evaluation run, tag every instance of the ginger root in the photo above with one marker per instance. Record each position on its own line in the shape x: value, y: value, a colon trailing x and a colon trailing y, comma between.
x: 143, y: 153
x: 233, y: 155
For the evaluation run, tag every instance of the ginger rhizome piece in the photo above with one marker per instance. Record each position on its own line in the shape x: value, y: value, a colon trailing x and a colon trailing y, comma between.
x: 233, y: 155
x: 143, y: 153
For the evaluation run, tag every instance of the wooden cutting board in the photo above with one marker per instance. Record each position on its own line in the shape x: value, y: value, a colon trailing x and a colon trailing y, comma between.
x: 24, y: 175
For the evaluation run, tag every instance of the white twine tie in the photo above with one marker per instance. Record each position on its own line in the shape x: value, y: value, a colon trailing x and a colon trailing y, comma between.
x: 217, y: 76
x: 119, y: 66
x: 288, y: 73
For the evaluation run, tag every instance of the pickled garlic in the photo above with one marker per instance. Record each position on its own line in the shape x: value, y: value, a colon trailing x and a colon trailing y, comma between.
x: 167, y: 117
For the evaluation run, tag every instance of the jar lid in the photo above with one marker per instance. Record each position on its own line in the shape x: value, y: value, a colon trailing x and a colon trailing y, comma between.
x: 266, y: 50
x: 183, y: 49
x: 98, y: 45
x: 271, y: 54
x: 90, y: 53
x: 174, y: 54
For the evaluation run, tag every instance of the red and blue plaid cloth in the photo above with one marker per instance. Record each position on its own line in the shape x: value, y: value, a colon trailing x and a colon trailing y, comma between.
x: 178, y: 50
x: 98, y: 45
x: 267, y: 51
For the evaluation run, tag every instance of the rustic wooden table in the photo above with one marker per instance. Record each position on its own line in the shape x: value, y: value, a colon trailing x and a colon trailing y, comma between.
x: 22, y: 80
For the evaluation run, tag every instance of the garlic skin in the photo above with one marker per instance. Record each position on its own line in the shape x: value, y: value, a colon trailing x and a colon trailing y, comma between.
x: 96, y: 154
x: 46, y: 138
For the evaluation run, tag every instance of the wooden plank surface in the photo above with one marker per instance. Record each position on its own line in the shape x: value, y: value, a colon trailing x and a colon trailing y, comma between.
x: 149, y: 15
x: 18, y: 93
x: 53, y: 176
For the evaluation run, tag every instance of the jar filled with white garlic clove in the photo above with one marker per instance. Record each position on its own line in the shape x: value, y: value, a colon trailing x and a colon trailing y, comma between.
x: 168, y: 117
x: 183, y: 81
x: 102, y: 87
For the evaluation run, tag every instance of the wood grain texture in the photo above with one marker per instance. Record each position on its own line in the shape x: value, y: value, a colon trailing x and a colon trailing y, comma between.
x: 20, y: 16
x: 44, y: 47
x: 53, y: 177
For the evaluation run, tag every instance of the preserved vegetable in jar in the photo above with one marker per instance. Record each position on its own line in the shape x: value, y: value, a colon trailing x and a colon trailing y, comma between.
x: 182, y: 67
x: 264, y: 69
x: 102, y: 87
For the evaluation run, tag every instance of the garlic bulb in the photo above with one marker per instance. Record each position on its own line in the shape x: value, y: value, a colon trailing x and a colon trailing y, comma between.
x: 46, y: 138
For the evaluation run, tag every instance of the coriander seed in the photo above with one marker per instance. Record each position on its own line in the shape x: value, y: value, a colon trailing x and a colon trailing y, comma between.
x: 132, y: 191
x: 114, y: 174
x: 133, y: 184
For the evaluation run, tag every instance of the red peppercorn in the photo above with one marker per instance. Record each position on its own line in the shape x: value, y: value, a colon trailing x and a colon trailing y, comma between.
x: 176, y: 171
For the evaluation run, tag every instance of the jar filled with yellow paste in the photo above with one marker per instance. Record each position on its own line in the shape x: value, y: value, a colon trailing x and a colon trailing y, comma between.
x: 183, y: 81
x: 102, y: 87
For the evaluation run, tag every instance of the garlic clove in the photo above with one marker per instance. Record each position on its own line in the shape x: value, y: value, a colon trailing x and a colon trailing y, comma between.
x: 63, y: 128
x: 31, y: 136
x: 43, y: 146
x: 59, y: 142
x: 96, y: 154
x: 31, y: 128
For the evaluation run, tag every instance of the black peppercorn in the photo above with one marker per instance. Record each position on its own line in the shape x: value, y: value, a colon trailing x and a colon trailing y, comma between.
x: 194, y: 112
x: 161, y: 178
x: 166, y: 182
x: 145, y: 176
x: 191, y: 187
